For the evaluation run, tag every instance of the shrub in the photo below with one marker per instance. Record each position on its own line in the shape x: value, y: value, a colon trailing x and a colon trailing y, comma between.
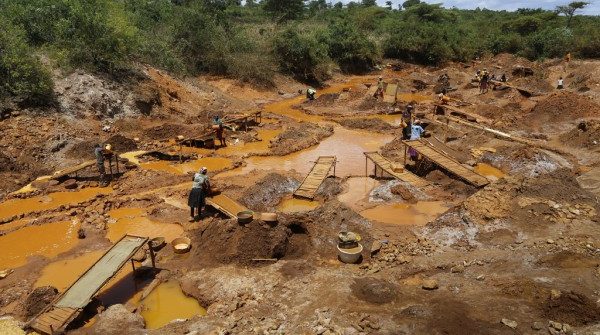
x: 350, y: 48
x: 301, y: 55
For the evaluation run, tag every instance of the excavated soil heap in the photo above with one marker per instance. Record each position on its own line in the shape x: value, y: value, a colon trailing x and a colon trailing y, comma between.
x: 7, y: 164
x: 298, y: 137
x: 367, y: 124
x: 563, y: 106
x: 585, y: 135
x: 85, y: 149
x: 165, y: 131
x: 265, y: 194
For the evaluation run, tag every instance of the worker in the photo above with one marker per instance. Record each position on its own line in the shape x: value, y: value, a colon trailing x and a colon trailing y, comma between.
x: 483, y: 83
x: 568, y: 57
x: 219, y: 130
x: 379, y: 92
x: 560, y: 83
x: 416, y: 132
x: 197, y: 197
x: 443, y: 99
x: 310, y: 93
x: 99, y: 153
x: 407, y: 117
x: 503, y: 78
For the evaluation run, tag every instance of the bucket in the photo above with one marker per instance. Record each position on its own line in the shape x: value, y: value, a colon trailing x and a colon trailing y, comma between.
x: 350, y: 256
x: 181, y: 245
x: 245, y: 217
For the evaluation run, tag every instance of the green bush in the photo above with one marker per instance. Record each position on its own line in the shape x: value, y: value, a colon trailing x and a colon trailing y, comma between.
x: 301, y: 55
x: 21, y: 73
x: 350, y: 47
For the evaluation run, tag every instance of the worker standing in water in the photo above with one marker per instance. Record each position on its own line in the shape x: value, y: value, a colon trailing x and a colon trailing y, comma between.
x: 310, y: 93
x: 200, y: 190
x: 219, y: 130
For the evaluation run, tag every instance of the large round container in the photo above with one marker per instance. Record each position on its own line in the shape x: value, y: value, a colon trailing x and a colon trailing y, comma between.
x: 245, y: 217
x: 181, y: 245
x: 350, y: 256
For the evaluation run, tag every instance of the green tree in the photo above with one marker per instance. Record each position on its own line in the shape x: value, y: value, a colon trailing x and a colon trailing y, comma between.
x: 570, y: 9
x: 389, y: 5
x: 410, y: 3
x: 283, y: 10
x: 369, y: 3
x: 301, y: 55
x: 350, y: 47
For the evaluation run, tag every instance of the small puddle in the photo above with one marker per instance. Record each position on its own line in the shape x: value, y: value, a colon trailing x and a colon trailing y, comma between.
x: 61, y: 274
x: 133, y: 156
x: 132, y: 221
x: 294, y: 205
x: 166, y: 303
x: 417, y: 214
x: 46, y: 240
x: 489, y: 171
x: 211, y: 163
x: 348, y: 145
x: 358, y: 188
x: 47, y: 202
x: 251, y: 148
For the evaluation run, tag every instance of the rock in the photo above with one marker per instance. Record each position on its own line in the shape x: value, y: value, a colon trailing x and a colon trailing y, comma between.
x: 457, y: 269
x: 70, y: 184
x: 550, y: 241
x: 430, y: 284
x: 5, y: 273
x: 118, y: 320
x: 481, y: 278
x: 375, y: 247
x: 81, y: 234
x: 39, y: 299
x: 555, y: 325
x: 555, y: 294
x: 537, y: 325
x: 510, y: 323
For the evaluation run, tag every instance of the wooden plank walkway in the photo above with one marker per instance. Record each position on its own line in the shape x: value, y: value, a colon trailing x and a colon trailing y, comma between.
x: 69, y: 304
x: 386, y: 165
x: 315, y: 177
x: 390, y: 93
x: 226, y: 205
x: 466, y: 115
x: 447, y: 163
x: 371, y: 91
x: 73, y: 169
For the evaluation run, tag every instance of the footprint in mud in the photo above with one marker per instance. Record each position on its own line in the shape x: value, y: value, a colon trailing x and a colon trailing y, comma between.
x: 375, y: 291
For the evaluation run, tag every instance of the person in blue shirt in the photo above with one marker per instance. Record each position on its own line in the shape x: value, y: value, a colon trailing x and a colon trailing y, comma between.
x: 416, y: 132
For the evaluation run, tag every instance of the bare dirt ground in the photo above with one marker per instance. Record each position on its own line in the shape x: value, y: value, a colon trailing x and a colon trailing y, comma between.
x: 518, y: 256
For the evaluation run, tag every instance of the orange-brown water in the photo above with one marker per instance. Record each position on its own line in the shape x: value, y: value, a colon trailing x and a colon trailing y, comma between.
x: 251, y: 148
x: 358, y: 189
x: 61, y: 274
x: 132, y: 221
x: 47, y: 202
x: 489, y: 171
x: 293, y: 205
x: 348, y: 145
x: 166, y: 303
x: 211, y: 163
x: 406, y: 214
x: 46, y: 240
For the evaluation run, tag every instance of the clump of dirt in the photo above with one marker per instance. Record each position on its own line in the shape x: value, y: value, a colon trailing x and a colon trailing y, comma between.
x: 454, y: 188
x: 403, y: 192
x: 265, y: 194
x: 371, y: 103
x: 324, y: 100
x: 585, y: 135
x: 331, y: 187
x: 563, y: 106
x: 299, y: 136
x: 39, y: 299
x: 165, y: 131
x: 373, y: 290
x: 572, y: 308
x: 7, y: 164
x: 85, y: 149
x: 121, y: 143
x: 368, y: 124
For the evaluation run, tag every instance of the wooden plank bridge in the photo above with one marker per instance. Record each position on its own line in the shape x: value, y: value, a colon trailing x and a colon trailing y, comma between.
x: 67, y: 306
x: 447, y: 163
x: 244, y: 119
x: 309, y: 186
x: 387, y: 166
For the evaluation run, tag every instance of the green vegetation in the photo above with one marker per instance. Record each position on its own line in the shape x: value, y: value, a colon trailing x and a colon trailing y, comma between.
x: 254, y: 41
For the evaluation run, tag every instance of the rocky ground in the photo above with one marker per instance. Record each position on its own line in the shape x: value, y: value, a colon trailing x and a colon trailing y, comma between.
x: 518, y: 256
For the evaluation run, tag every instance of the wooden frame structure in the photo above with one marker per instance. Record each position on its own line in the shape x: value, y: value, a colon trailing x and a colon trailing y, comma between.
x: 315, y: 177
x: 386, y: 166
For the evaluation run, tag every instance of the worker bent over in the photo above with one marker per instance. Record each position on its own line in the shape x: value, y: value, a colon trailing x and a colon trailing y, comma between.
x: 200, y: 190
x: 101, y: 154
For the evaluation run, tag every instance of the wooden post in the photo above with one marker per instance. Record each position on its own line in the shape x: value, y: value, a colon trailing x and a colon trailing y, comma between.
x: 117, y: 161
x: 405, y: 152
x: 334, y: 164
x: 132, y: 265
x: 152, y: 256
x: 366, y: 166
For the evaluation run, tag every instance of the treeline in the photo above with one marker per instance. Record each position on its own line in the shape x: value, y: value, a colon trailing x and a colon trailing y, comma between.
x: 255, y: 40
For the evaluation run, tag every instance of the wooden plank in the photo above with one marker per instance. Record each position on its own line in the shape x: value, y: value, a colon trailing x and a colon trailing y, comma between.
x: 447, y: 163
x: 386, y: 165
x: 67, y: 171
x: 390, y: 93
x: 315, y: 177
x: 226, y: 205
x: 371, y: 91
x: 465, y: 114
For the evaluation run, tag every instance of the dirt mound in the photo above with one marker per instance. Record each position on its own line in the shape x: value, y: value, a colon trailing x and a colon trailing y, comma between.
x: 299, y: 136
x: 165, y: 131
x: 368, y: 124
x: 585, y: 135
x: 324, y: 100
x: 7, y: 164
x: 39, y: 299
x: 564, y: 106
x: 267, y: 193
x: 371, y: 103
x: 373, y: 290
x: 572, y: 308
x: 85, y: 149
x: 121, y: 143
